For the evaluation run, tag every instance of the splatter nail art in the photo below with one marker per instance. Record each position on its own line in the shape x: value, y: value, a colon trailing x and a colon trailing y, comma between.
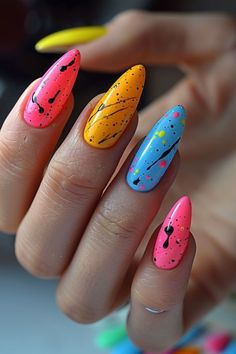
x: 114, y: 111
x: 173, y: 236
x: 49, y: 97
x: 157, y: 151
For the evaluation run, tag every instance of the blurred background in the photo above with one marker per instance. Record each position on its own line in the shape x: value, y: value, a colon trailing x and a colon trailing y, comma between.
x: 30, y: 322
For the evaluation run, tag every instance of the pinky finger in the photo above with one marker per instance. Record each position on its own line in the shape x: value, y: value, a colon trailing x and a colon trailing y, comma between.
x: 155, y: 321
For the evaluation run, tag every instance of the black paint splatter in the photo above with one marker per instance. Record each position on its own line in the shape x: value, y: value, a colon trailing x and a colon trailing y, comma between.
x: 103, y: 106
x: 136, y: 181
x: 64, y: 67
x: 34, y: 100
x: 106, y: 117
x: 108, y: 137
x: 51, y: 100
x: 169, y: 231
x: 164, y: 154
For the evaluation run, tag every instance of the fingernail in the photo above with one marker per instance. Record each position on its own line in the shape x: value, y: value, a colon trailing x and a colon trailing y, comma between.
x: 173, y: 237
x: 61, y: 40
x: 53, y: 90
x: 157, y: 151
x: 114, y: 111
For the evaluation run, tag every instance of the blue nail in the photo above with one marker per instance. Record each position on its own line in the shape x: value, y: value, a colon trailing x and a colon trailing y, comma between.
x: 157, y: 151
x: 191, y: 335
x: 231, y: 348
x: 126, y: 347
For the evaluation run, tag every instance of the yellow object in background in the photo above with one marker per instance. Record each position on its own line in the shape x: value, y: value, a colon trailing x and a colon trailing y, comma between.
x: 116, y: 108
x: 62, y: 40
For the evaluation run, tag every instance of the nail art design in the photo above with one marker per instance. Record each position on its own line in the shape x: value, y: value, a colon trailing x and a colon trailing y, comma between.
x: 68, y: 38
x: 114, y: 111
x: 49, y: 97
x: 172, y: 239
x: 157, y: 151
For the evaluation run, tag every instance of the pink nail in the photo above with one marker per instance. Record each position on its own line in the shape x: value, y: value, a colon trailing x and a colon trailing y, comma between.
x: 49, y: 97
x: 172, y: 239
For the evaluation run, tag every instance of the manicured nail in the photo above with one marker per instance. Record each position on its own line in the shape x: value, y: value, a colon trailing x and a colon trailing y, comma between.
x: 49, y: 97
x: 157, y: 151
x: 172, y: 239
x: 114, y: 111
x: 59, y: 41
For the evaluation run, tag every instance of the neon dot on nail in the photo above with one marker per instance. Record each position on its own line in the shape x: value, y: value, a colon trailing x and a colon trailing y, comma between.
x: 131, y: 169
x: 176, y: 114
x: 160, y: 133
x: 162, y: 163
x: 148, y: 177
x: 142, y: 187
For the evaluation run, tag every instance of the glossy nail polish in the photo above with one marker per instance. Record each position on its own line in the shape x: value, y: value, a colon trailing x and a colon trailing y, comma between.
x: 53, y: 90
x: 157, y: 151
x: 68, y: 38
x: 116, y: 108
x: 172, y: 239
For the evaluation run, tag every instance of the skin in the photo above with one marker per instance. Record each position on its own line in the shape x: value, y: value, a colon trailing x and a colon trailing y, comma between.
x: 107, y: 248
x: 208, y: 159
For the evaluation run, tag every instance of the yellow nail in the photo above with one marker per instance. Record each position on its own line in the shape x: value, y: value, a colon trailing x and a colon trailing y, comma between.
x: 62, y: 40
x: 114, y: 111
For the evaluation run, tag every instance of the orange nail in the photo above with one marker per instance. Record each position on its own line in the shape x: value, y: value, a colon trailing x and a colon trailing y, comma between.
x: 116, y: 108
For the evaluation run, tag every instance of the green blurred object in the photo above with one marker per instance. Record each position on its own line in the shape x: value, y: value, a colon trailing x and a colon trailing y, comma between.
x: 110, y: 337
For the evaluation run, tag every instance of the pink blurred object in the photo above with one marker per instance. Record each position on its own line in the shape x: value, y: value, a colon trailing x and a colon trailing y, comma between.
x: 216, y: 342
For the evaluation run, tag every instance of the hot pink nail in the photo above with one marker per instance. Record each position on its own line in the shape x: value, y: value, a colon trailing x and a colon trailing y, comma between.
x: 49, y: 97
x: 172, y: 239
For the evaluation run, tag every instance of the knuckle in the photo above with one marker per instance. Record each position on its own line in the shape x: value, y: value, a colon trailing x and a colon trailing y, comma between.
x: 109, y: 222
x: 141, y: 33
x: 130, y: 16
x: 14, y: 157
x: 144, y: 292
x: 77, y: 310
x: 66, y: 182
x: 33, y: 262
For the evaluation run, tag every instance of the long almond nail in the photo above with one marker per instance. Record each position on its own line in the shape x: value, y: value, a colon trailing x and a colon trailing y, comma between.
x: 114, y: 111
x: 173, y: 237
x: 157, y: 151
x: 59, y: 41
x: 49, y: 97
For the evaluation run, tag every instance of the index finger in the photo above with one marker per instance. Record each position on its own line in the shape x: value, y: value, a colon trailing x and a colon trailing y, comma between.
x: 138, y: 36
x: 29, y: 135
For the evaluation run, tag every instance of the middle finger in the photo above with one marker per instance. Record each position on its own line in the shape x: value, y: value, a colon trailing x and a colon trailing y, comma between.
x: 119, y: 223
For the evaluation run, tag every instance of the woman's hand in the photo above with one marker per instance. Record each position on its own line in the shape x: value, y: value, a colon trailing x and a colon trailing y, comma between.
x: 73, y: 222
x: 204, y: 47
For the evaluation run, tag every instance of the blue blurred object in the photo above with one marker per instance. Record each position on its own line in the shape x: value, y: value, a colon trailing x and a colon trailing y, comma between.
x: 126, y: 347
x: 231, y: 348
x: 191, y: 335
